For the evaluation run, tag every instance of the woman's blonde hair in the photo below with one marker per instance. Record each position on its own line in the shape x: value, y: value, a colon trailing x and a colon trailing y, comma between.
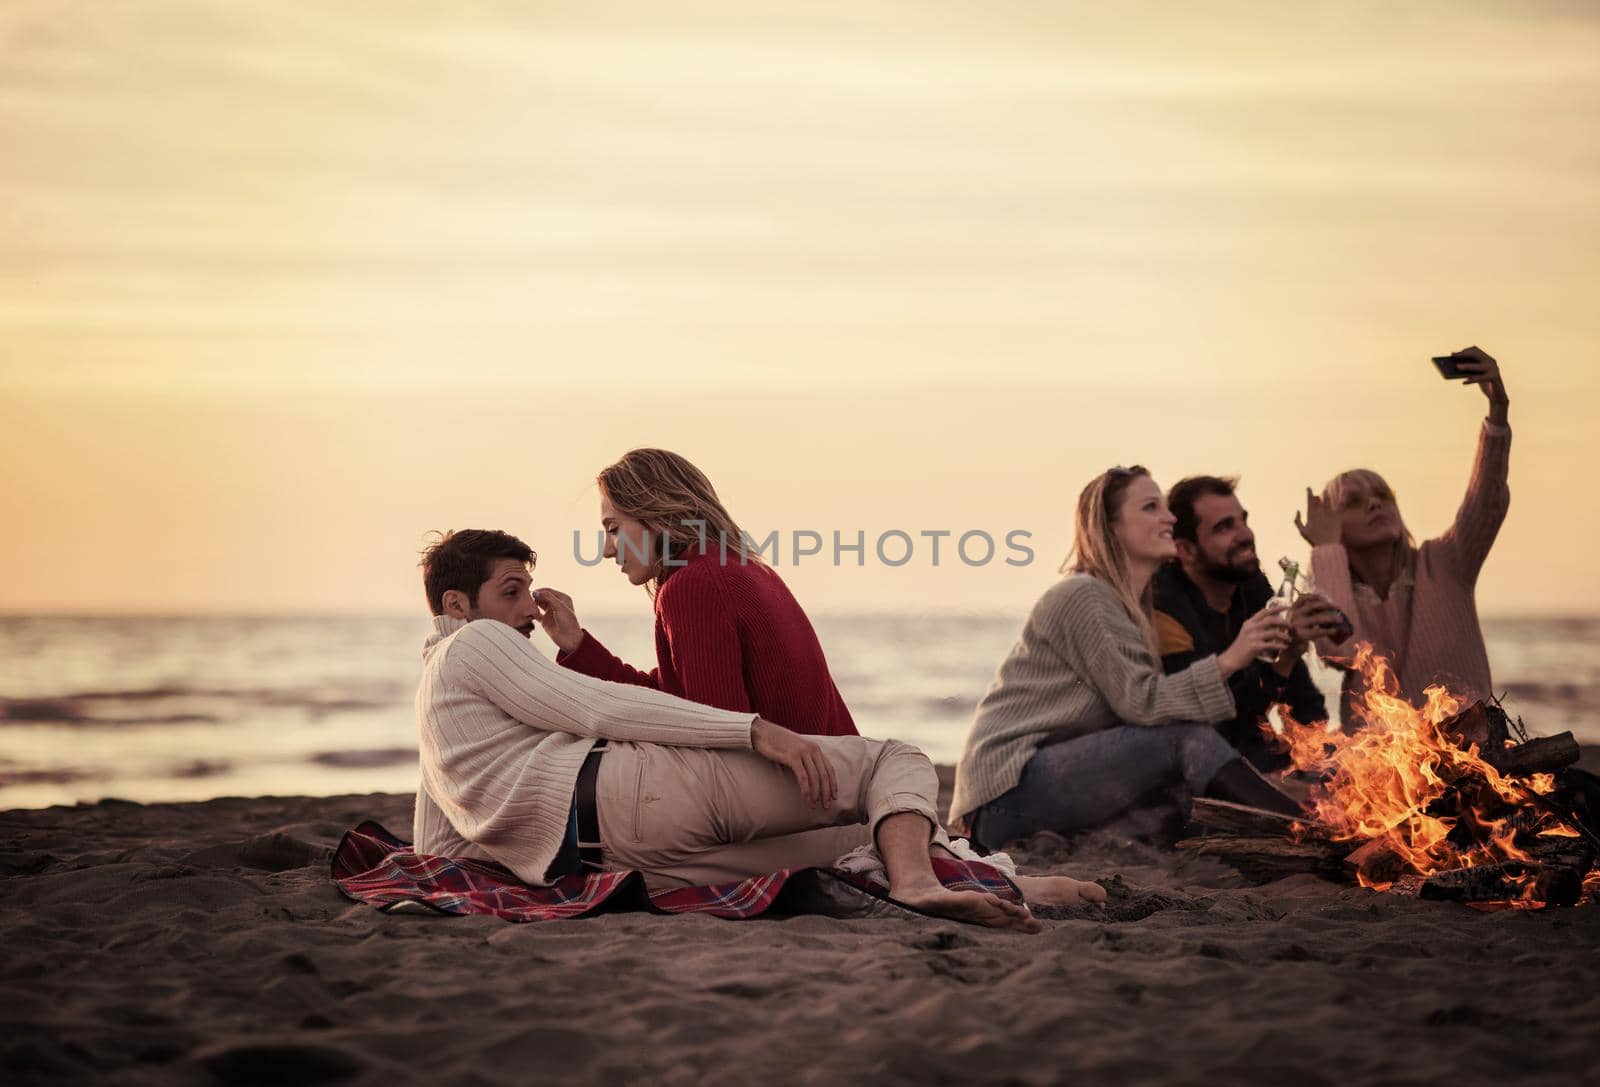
x: 1340, y: 486
x: 1097, y: 551
x: 676, y: 504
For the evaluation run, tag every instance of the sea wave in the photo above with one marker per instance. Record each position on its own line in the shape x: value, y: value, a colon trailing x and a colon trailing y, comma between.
x: 365, y: 758
x: 1566, y: 695
x: 189, y: 705
x: 202, y: 768
x: 155, y: 709
x: 67, y: 711
x: 57, y: 775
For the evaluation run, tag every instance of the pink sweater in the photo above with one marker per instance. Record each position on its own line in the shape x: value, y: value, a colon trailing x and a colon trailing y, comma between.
x: 1428, y: 627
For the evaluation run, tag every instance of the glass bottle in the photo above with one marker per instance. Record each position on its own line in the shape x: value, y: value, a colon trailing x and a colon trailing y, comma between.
x: 1282, y: 599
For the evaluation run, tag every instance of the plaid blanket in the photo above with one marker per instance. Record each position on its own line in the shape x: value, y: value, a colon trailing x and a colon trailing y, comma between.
x: 373, y: 866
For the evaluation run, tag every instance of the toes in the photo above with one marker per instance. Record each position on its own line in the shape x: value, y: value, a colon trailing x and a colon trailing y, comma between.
x: 979, y: 908
x: 1015, y: 909
x: 1019, y: 916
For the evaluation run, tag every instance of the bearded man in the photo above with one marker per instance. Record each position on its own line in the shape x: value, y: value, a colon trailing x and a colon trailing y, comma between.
x: 1205, y: 595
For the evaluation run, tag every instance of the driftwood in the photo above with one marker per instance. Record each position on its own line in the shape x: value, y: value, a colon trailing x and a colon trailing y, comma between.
x: 1540, y: 755
x: 1225, y: 817
x: 1268, y: 857
x: 1262, y: 845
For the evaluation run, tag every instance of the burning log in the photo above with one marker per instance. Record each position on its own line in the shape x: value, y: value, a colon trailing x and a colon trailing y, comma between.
x: 1470, y: 830
x: 1377, y: 862
x: 1562, y: 853
x: 1481, y: 724
x: 1509, y: 882
x: 1431, y: 799
x: 1540, y: 755
x: 1576, y: 799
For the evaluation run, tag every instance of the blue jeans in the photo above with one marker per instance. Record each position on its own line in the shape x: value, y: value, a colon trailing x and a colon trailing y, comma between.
x: 1082, y: 782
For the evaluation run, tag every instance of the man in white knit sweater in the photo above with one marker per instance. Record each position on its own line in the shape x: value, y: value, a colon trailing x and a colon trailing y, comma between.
x: 511, y: 747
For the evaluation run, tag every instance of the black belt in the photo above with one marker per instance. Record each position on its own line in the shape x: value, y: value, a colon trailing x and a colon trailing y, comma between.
x: 590, y: 853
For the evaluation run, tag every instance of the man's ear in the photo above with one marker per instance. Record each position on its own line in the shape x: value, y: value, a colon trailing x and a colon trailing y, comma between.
x: 1186, y: 550
x: 457, y: 605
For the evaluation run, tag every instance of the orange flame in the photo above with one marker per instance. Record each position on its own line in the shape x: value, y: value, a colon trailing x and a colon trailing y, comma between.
x: 1381, y: 780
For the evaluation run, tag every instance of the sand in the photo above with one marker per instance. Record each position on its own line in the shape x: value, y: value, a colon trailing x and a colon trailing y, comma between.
x: 199, y: 943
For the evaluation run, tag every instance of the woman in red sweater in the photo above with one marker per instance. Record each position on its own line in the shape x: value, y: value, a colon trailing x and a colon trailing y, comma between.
x: 729, y: 633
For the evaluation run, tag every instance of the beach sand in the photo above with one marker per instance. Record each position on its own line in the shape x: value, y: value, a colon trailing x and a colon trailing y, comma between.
x: 198, y: 943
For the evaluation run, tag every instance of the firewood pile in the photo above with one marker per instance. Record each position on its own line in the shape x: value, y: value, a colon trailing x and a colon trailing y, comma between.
x: 1474, y: 811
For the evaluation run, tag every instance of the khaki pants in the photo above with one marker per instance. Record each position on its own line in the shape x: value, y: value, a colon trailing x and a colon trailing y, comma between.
x: 686, y: 815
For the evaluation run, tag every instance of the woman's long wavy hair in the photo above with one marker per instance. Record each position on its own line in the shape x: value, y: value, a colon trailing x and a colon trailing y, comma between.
x: 1339, y: 488
x: 1097, y: 551
x: 673, y: 500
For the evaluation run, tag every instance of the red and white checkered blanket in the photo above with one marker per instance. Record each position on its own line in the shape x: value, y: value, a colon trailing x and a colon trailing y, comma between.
x: 373, y: 866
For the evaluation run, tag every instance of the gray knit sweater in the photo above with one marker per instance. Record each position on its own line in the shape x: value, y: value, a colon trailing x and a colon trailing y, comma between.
x: 1080, y: 666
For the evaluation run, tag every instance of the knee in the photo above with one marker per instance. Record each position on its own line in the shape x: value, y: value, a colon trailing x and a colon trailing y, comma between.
x: 1203, y: 746
x: 900, y: 750
x: 907, y: 759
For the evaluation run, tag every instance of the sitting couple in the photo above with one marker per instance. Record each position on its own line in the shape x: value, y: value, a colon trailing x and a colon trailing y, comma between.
x: 683, y: 773
x: 1140, y: 676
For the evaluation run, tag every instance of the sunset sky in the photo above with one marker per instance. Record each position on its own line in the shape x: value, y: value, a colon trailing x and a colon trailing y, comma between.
x: 285, y: 285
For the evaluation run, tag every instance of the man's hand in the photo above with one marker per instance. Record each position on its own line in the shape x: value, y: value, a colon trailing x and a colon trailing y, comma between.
x: 801, y: 757
x: 1266, y: 632
x: 1312, y: 617
x: 1321, y: 524
x: 559, y: 619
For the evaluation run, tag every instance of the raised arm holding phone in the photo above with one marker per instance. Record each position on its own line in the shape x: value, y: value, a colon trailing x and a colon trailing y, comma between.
x: 1415, y: 605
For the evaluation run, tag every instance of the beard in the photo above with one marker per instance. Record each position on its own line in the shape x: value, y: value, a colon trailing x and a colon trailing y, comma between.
x: 1231, y: 568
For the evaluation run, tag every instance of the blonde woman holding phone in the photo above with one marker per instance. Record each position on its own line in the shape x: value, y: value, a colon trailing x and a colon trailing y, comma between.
x: 1416, y: 606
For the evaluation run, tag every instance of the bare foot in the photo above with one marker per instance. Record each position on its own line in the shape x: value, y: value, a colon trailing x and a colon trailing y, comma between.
x: 973, y: 907
x: 1059, y: 891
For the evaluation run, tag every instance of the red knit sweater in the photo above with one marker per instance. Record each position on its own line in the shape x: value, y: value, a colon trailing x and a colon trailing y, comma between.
x: 731, y: 636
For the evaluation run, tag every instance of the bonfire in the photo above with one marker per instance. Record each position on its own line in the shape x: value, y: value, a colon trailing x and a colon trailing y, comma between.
x: 1444, y: 800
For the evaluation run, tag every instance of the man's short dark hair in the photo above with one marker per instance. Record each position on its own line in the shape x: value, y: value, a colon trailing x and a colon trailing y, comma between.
x: 1189, y: 490
x: 463, y: 560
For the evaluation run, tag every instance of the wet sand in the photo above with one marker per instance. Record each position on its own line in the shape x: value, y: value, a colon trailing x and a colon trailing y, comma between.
x: 200, y: 943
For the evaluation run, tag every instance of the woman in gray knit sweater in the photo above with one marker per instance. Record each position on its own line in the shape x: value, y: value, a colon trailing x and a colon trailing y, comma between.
x: 1080, y: 723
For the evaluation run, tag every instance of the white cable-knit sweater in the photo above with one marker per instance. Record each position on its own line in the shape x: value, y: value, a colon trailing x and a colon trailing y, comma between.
x: 503, y: 731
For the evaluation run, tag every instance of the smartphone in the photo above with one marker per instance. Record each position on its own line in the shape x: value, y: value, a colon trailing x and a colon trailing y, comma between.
x: 1449, y: 366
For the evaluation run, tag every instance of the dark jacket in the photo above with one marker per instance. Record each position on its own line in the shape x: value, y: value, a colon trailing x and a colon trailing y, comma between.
x: 1190, y: 628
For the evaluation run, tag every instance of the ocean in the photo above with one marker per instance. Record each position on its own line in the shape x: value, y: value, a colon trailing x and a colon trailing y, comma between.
x: 194, y: 708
